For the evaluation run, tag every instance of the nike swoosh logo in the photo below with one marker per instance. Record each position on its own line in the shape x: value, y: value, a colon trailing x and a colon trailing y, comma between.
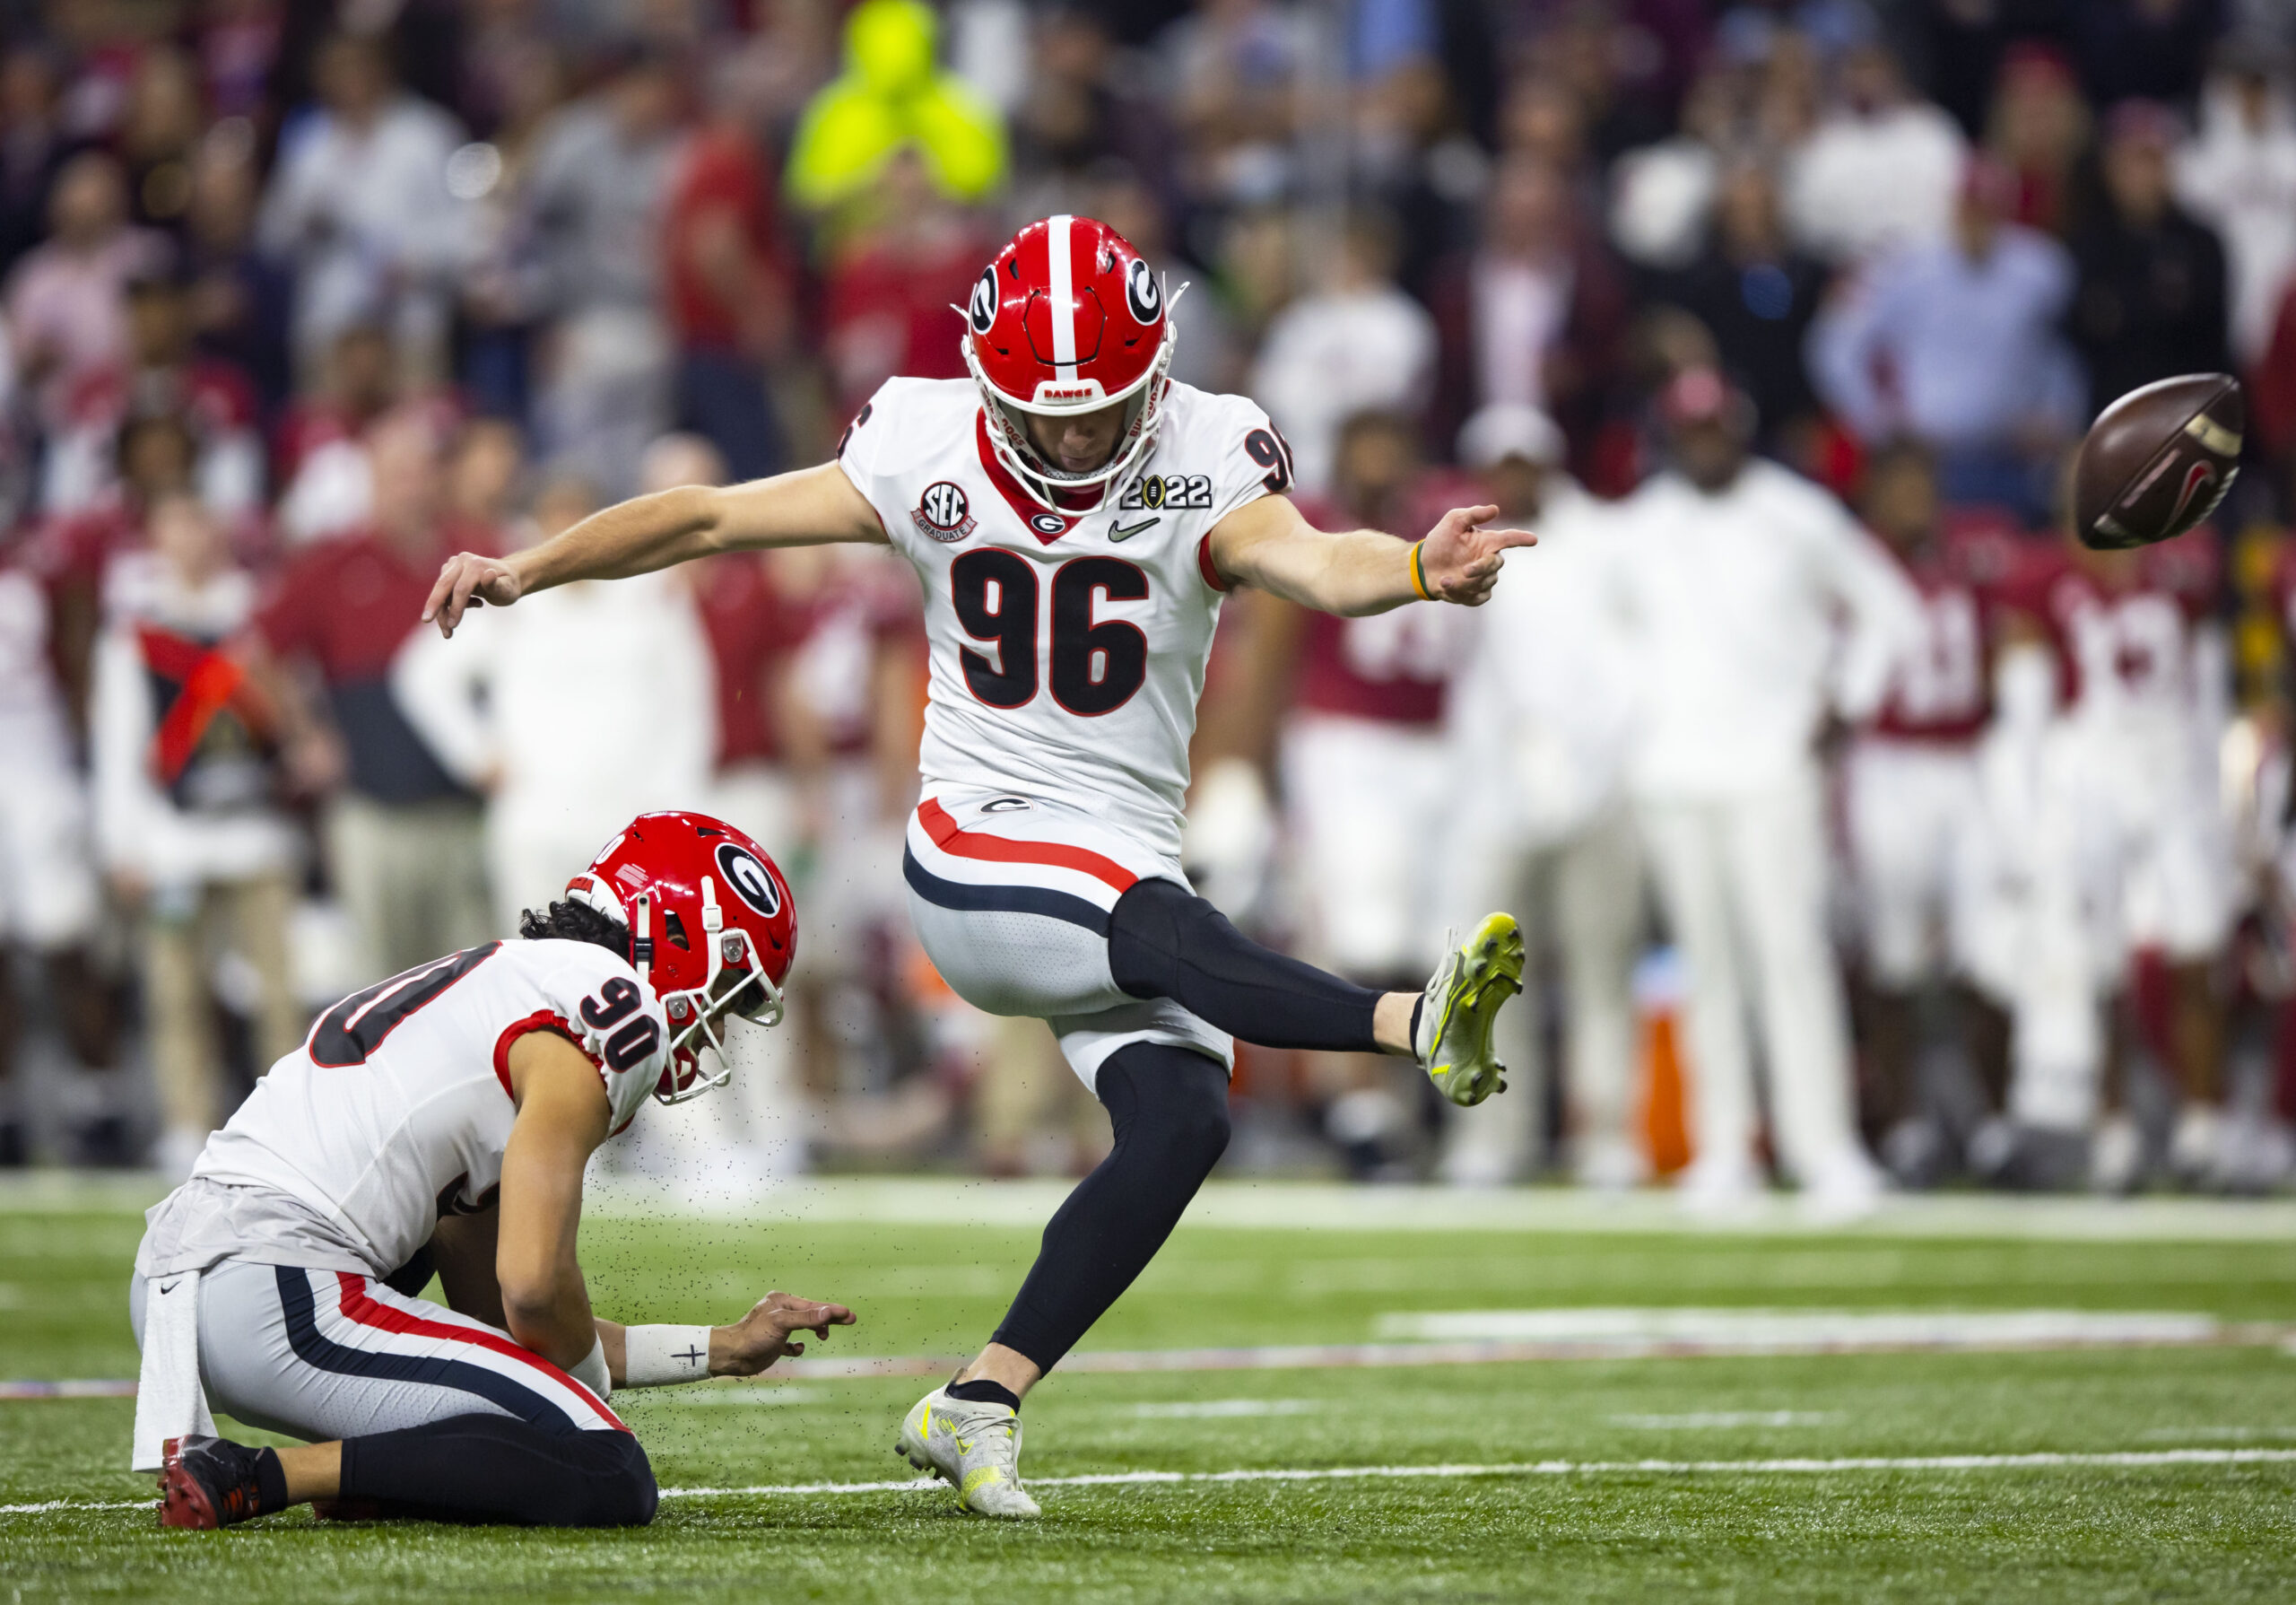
x: 171, y: 1287
x: 1117, y: 532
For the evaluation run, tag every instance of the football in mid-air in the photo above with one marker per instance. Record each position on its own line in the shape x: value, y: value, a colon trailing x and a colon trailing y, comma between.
x: 2158, y: 461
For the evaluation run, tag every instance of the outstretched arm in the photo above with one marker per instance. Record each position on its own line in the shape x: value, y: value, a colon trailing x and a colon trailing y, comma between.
x: 808, y: 507
x: 1266, y: 544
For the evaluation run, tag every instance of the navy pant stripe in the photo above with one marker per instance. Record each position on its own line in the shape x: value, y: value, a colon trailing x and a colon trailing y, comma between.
x: 315, y: 1348
x: 1008, y: 898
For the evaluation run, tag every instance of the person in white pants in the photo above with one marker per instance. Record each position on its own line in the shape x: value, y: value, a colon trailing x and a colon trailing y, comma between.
x: 1546, y: 690
x: 1753, y: 601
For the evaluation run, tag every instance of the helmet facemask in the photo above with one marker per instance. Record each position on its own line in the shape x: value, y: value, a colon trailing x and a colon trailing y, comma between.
x: 735, y: 984
x: 1044, y: 481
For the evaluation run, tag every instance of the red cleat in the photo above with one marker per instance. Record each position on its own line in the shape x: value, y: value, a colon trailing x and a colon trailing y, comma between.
x: 206, y: 1483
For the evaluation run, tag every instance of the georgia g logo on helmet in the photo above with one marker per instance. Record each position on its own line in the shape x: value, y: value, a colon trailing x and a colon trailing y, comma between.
x: 748, y: 878
x: 1142, y: 298
x: 981, y: 310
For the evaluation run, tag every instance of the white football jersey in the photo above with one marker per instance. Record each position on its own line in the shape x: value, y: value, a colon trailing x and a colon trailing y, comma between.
x: 1068, y: 649
x: 396, y: 1108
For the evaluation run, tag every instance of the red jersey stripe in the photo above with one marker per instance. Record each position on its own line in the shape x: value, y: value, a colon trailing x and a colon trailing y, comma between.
x: 364, y: 1311
x: 999, y: 850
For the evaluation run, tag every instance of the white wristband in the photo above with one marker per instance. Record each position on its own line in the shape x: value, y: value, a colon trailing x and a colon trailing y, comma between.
x: 592, y: 1372
x: 662, y: 1356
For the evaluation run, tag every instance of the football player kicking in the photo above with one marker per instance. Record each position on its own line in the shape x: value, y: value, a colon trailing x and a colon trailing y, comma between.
x: 1075, y: 517
x: 443, y: 1118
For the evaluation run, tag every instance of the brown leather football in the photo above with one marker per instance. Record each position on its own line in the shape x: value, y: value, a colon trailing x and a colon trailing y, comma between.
x: 2158, y: 461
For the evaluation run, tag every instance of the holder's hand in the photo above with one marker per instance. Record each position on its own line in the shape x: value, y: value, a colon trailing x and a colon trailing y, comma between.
x: 762, y: 1336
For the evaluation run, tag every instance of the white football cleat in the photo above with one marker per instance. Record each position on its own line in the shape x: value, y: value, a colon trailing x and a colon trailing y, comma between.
x: 1453, y: 1040
x: 974, y: 1448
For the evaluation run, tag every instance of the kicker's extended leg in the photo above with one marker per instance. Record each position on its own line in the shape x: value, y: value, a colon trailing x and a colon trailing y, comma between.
x: 1166, y: 942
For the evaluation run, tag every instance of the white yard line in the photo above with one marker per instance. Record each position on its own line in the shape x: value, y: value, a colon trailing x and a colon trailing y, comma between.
x: 2125, y: 1459
x: 2121, y: 1460
x: 1264, y: 1205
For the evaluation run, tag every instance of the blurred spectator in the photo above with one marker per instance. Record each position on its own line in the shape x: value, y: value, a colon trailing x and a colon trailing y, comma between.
x: 2039, y: 129
x: 522, y: 703
x: 2151, y: 298
x: 2154, y: 48
x: 1354, y: 344
x: 66, y: 318
x: 1757, y: 295
x: 359, y: 203
x: 2272, y: 395
x: 1912, y: 815
x: 2238, y: 177
x: 1735, y: 579
x: 156, y: 456
x: 185, y: 817
x: 596, y: 203
x: 1081, y: 114
x: 485, y: 475
x: 1533, y: 317
x: 402, y: 836
x: 1955, y: 343
x: 1661, y: 194
x: 892, y: 97
x: 238, y: 42
x: 319, y: 456
x: 32, y: 149
x: 239, y: 297
x: 159, y: 373
x: 727, y: 287
x: 159, y: 129
x: 1544, y: 699
x: 47, y: 884
x: 1880, y: 169
x: 1357, y: 707
x: 891, y: 284
x: 1235, y: 71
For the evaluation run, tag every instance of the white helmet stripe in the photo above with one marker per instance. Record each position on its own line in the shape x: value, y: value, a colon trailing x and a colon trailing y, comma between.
x: 1064, y: 294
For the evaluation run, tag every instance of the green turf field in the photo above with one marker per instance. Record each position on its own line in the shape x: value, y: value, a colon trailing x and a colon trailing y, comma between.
x: 1600, y: 1479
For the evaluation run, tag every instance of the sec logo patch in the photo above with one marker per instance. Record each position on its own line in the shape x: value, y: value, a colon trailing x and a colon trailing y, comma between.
x: 942, y: 513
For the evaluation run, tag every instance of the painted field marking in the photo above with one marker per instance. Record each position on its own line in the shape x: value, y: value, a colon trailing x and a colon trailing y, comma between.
x: 1765, y: 1330
x: 1509, y: 1337
x: 1220, y: 1409
x: 2132, y: 1460
x: 104, y: 1387
x: 739, y: 1393
x: 1700, y: 1418
x: 2124, y: 1459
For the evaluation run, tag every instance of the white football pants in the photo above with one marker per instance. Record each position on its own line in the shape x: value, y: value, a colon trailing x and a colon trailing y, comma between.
x: 1742, y: 881
x: 1586, y: 890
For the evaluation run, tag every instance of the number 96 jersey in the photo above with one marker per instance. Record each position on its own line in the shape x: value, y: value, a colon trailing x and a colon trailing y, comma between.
x: 397, y: 1106
x: 1068, y: 648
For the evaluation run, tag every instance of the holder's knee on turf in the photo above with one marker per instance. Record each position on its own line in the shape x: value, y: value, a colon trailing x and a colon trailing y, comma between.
x: 482, y: 1468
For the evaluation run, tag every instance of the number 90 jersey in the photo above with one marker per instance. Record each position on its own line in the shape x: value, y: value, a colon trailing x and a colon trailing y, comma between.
x: 397, y: 1107
x: 1067, y: 648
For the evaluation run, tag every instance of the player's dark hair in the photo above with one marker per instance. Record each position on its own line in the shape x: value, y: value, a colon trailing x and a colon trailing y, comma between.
x: 576, y: 922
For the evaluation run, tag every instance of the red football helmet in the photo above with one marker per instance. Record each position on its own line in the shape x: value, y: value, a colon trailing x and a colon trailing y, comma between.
x: 713, y: 931
x: 1068, y: 319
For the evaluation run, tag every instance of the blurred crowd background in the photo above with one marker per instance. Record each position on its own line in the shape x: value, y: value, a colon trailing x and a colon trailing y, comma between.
x: 1862, y: 824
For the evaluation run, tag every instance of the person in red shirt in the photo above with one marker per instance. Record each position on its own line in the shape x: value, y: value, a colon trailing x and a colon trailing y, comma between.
x: 2141, y: 683
x: 405, y: 848
x: 1351, y: 712
x: 726, y: 291
x: 1912, y: 810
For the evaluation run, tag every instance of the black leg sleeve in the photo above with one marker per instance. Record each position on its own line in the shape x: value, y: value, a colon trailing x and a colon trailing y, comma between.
x: 482, y: 1468
x: 1169, y: 1108
x: 1166, y: 942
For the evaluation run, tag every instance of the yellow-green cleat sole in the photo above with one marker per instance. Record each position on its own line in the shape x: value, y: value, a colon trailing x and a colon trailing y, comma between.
x: 1462, y: 1002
